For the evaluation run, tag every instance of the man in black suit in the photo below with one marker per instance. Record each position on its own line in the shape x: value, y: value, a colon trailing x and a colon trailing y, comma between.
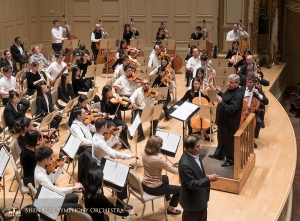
x: 195, y: 184
x: 17, y: 51
x: 9, y: 61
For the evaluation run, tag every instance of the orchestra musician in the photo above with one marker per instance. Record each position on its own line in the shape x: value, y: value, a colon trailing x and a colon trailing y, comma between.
x: 228, y: 119
x: 21, y: 127
x: 209, y: 72
x: 234, y: 51
x: 128, y: 33
x: 162, y: 34
x: 13, y: 111
x: 57, y: 36
x: 123, y: 46
x: 9, y: 62
x: 18, y: 52
x: 56, y: 67
x: 243, y: 61
x: 154, y: 183
x: 38, y: 57
x: 166, y: 65
x: 83, y: 102
x: 200, y: 74
x: 34, y: 77
x: 81, y: 50
x: 65, y: 91
x: 197, y: 35
x: 113, y: 114
x: 233, y: 35
x: 83, y: 64
x: 78, y: 81
x: 155, y: 58
x: 188, y: 73
x: 119, y: 71
x: 96, y: 36
x: 139, y: 102
x: 191, y: 63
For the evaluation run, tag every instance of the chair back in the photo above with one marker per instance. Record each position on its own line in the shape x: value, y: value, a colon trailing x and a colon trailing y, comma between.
x: 33, y: 108
x: 22, y: 188
x: 25, y: 84
x: 32, y: 191
x: 134, y: 185
x: 71, y: 216
x: 4, y: 124
x: 96, y: 106
x: 16, y: 150
x: 54, y: 95
x: 34, y: 95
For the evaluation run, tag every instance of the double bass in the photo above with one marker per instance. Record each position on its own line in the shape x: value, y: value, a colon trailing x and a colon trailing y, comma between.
x: 69, y: 51
x: 243, y: 43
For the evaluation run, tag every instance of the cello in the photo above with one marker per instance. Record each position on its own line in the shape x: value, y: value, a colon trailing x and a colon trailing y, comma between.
x: 250, y: 104
x: 69, y: 51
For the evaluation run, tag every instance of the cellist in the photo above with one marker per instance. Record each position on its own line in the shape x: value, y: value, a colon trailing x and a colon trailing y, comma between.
x: 231, y: 55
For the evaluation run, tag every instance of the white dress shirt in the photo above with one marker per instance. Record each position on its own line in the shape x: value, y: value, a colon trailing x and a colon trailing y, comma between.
x: 209, y: 70
x: 128, y: 89
x: 192, y: 62
x: 119, y: 71
x: 250, y: 93
x: 138, y: 98
x: 54, y: 69
x: 196, y: 158
x: 57, y: 34
x: 102, y: 148
x: 83, y: 132
x: 20, y: 48
x: 7, y: 85
x: 40, y: 176
x: 231, y: 35
x: 93, y: 38
x: 154, y: 61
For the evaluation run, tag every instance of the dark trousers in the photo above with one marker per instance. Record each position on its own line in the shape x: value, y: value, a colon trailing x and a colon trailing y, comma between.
x: 165, y: 104
x: 165, y: 189
x: 258, y: 125
x: 95, y: 52
x: 57, y: 47
x: 123, y: 135
x: 200, y: 215
x: 188, y: 76
x: 84, y: 148
x: 225, y: 144
x: 55, y: 122
x: 123, y: 194
x: 140, y: 127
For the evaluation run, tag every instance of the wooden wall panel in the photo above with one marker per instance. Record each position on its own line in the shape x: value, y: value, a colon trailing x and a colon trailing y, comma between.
x: 81, y: 8
x: 32, y: 8
x: 45, y: 27
x: 205, y: 8
x: 57, y: 6
x: 137, y: 8
x: 233, y: 11
x: 21, y: 31
x: 9, y: 36
x: 110, y: 8
x: 182, y: 8
x: 82, y: 31
x: 182, y: 31
x: 33, y: 32
x: 20, y: 9
x: 159, y: 8
x: 8, y: 11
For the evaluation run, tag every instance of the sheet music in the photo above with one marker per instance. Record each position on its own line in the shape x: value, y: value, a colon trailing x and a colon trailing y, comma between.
x: 163, y: 135
x: 49, y: 199
x: 170, y: 140
x: 72, y: 146
x: 4, y: 158
x: 109, y: 169
x: 135, y: 124
x: 184, y: 111
x: 120, y: 174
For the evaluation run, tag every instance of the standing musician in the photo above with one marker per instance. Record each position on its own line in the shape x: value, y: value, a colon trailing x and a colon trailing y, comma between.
x: 197, y: 35
x: 129, y: 33
x: 96, y: 36
x: 18, y: 52
x: 113, y: 114
x: 155, y: 58
x: 209, y: 72
x: 13, y: 112
x: 139, y: 102
x: 56, y: 67
x: 125, y: 86
x: 38, y: 57
x: 102, y: 148
x: 233, y: 35
x: 162, y: 34
x: 9, y: 62
x: 119, y: 71
x: 228, y: 119
x: 233, y: 52
x: 163, y: 80
x: 57, y: 36
x: 44, y: 105
x: 34, y: 78
x: 65, y: 91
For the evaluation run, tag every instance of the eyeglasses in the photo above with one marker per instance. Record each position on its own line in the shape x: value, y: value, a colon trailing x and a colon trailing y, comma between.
x: 230, y: 82
x: 146, y: 83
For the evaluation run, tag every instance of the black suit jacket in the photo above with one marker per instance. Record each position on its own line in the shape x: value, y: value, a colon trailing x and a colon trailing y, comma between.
x: 41, y: 104
x: 195, y: 186
x: 15, y: 52
x: 11, y: 115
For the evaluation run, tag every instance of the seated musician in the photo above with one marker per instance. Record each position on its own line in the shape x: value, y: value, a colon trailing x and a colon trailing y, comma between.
x: 119, y: 71
x: 13, y: 111
x: 123, y: 46
x: 38, y: 57
x: 118, y: 62
x: 44, y: 105
x: 250, y: 89
x: 162, y: 34
x: 188, y: 73
x: 34, y: 78
x: 167, y: 66
x: 139, y: 102
x: 80, y: 129
x: 21, y: 127
x: 55, y: 68
x: 155, y: 58
x: 29, y: 212
x: 192, y: 62
x: 190, y: 95
x: 65, y: 91
x: 81, y: 50
x: 154, y: 183
x: 234, y: 50
x: 17, y: 51
x: 9, y: 62
x: 94, y: 198
x: 238, y: 66
x: 44, y: 157
x: 128, y: 33
x: 233, y: 35
x: 125, y: 86
x: 197, y: 35
x: 83, y: 64
x: 102, y: 147
x: 206, y: 65
x: 163, y: 80
x: 113, y: 114
x: 200, y: 74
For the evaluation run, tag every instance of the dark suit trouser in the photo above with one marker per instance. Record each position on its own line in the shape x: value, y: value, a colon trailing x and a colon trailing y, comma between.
x: 165, y: 104
x: 165, y: 189
x: 57, y: 47
x: 225, y: 144
x: 200, y: 215
x: 95, y: 52
x: 140, y: 127
x: 55, y: 122
x: 258, y: 125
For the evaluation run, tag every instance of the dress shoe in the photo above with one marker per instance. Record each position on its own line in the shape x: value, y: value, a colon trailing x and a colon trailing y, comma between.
x: 227, y: 164
x: 120, y: 205
x: 215, y: 157
x: 262, y: 125
x: 168, y: 118
x: 176, y: 212
x: 140, y: 138
x: 255, y: 145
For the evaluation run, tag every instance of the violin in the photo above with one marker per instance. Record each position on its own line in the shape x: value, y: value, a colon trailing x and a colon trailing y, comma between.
x: 116, y: 99
x: 165, y: 80
x: 152, y: 93
x: 112, y: 131
x: 134, y: 77
x: 92, y: 117
x: 54, y: 163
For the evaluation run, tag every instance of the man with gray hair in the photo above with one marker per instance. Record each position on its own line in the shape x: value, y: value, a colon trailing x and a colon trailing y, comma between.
x: 228, y: 119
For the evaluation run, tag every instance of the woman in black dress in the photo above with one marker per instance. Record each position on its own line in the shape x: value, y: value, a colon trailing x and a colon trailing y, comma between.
x: 128, y: 34
x: 34, y: 78
x: 65, y: 90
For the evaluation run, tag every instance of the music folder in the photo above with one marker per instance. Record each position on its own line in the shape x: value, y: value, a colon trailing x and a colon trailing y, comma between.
x: 183, y: 110
x: 49, y: 201
x: 4, y: 159
x: 170, y: 142
x: 115, y: 173
x: 71, y: 146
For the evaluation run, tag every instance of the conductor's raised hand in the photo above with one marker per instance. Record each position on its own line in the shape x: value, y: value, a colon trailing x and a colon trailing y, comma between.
x: 219, y: 98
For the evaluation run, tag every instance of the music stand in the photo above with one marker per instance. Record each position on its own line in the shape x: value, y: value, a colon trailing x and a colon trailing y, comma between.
x: 47, y: 120
x: 112, y: 43
x: 164, y: 43
x: 200, y: 44
x: 228, y: 45
x: 99, y: 69
x: 151, y: 113
x: 141, y: 60
x: 224, y: 71
x: 69, y: 106
x: 212, y: 95
x: 104, y: 45
x: 70, y: 44
x: 150, y: 69
x: 41, y: 66
x: 90, y: 72
x: 57, y: 83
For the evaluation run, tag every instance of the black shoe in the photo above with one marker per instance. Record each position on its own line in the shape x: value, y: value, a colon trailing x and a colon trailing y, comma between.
x: 262, y: 125
x: 130, y: 137
x: 216, y: 157
x: 140, y: 138
x: 227, y: 164
x: 168, y: 118
x: 120, y: 205
x: 177, y: 212
x: 255, y: 145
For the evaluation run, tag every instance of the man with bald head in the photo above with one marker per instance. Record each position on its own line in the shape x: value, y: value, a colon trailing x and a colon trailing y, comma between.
x: 233, y: 35
x: 154, y: 60
x: 96, y: 36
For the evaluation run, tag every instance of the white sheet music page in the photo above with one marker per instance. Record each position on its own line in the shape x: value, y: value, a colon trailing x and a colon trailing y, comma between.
x: 120, y: 174
x: 135, y: 124
x: 163, y: 135
x: 184, y: 111
x: 172, y: 143
x: 109, y: 170
x: 4, y: 158
x: 72, y: 146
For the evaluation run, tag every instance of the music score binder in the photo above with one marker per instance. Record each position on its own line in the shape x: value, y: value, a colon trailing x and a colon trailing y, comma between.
x: 71, y: 146
x: 115, y: 173
x: 170, y: 142
x: 4, y: 159
x: 184, y: 111
x: 49, y: 201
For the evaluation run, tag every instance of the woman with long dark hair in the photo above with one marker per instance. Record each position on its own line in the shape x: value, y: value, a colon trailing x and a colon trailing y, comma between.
x: 162, y: 34
x: 128, y: 33
x: 34, y: 77
x: 65, y: 91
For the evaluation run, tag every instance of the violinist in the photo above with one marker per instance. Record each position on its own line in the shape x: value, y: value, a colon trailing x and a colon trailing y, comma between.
x: 119, y: 71
x: 162, y: 34
x: 163, y: 80
x: 21, y: 127
x: 65, y: 91
x: 167, y: 66
x: 83, y: 102
x: 197, y: 35
x: 44, y: 157
x: 96, y: 36
x: 193, y: 61
x: 233, y: 52
x: 123, y: 46
x: 122, y: 53
x: 128, y: 33
x: 155, y: 58
x: 34, y: 78
x: 126, y: 84
x: 139, y: 101
x: 188, y: 73
x: 113, y: 114
x: 209, y: 72
x: 200, y: 74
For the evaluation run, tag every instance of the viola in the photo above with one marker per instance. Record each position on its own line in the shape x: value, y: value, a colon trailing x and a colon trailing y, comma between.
x: 135, y: 77
x: 111, y: 131
x: 152, y: 92
x: 54, y: 163
x: 92, y: 117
